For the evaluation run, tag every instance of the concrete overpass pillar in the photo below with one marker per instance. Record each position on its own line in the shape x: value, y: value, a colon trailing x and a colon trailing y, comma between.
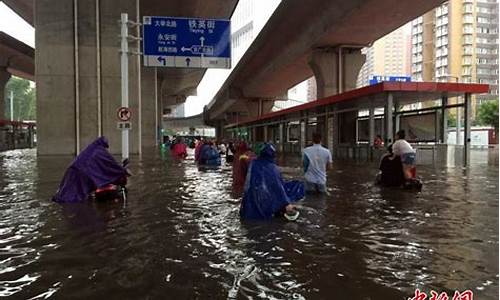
x: 78, y: 74
x: 4, y: 78
x: 149, y: 107
x: 336, y: 69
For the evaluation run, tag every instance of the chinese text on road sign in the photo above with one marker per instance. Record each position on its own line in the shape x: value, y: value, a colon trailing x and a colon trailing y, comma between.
x: 186, y: 42
x: 124, y: 125
x: 374, y: 79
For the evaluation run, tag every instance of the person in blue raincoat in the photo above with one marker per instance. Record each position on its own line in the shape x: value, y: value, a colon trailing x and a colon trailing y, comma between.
x: 266, y: 194
x: 209, y: 155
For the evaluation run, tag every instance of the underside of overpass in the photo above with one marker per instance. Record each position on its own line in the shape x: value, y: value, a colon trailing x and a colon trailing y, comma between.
x: 78, y: 70
x: 321, y: 39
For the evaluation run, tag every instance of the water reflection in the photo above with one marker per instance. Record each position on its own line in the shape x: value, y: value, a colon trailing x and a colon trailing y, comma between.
x: 179, y: 236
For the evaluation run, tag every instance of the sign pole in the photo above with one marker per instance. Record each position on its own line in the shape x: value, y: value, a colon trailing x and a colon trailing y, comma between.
x: 124, y: 79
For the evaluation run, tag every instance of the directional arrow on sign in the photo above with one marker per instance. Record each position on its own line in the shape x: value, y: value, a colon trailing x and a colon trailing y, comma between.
x: 162, y: 60
x: 202, y: 39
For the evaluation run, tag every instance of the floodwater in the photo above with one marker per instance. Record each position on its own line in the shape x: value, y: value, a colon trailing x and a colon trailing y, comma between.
x: 179, y: 236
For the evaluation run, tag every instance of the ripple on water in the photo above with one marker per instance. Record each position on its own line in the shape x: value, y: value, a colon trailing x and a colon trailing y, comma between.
x: 180, y: 235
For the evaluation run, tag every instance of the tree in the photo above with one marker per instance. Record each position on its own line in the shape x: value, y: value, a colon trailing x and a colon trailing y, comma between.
x: 487, y: 114
x: 452, y: 120
x: 24, y: 99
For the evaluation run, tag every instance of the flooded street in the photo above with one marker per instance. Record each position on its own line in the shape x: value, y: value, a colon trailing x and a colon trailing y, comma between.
x: 179, y: 236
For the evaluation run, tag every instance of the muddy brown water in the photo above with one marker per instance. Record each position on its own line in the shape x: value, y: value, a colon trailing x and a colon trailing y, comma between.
x: 179, y: 236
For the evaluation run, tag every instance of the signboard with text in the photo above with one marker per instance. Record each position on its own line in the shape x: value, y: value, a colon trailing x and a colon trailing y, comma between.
x: 186, y: 42
x: 374, y: 79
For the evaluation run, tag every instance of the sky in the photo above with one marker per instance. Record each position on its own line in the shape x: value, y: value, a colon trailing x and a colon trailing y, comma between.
x: 15, y: 26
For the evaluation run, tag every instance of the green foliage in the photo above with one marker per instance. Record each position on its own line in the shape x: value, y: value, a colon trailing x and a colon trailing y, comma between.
x: 24, y: 99
x: 487, y: 114
x: 452, y: 120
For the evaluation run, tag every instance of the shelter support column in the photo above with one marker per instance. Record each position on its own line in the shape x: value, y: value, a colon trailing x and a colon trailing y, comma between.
x: 266, y: 138
x: 303, y: 132
x: 444, y: 120
x: 281, y: 145
x: 330, y: 132
x: 389, y: 132
x: 397, y: 117
x: 335, y: 135
x: 371, y: 126
x: 336, y: 69
x: 467, y: 121
x: 4, y: 78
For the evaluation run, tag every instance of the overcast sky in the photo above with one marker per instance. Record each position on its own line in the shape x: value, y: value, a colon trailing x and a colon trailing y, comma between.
x: 15, y: 26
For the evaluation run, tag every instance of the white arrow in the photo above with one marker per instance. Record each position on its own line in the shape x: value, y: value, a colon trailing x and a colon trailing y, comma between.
x: 202, y: 39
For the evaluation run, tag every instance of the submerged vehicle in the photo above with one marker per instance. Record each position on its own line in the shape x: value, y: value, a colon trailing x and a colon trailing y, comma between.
x: 93, y: 174
x: 391, y: 175
x: 113, y: 191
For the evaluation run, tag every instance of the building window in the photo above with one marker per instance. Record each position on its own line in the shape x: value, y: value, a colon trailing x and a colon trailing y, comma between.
x: 466, y: 70
x: 468, y: 39
x: 467, y: 28
x: 483, y: 20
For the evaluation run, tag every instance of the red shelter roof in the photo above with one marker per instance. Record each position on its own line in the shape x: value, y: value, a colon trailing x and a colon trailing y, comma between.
x: 403, y: 91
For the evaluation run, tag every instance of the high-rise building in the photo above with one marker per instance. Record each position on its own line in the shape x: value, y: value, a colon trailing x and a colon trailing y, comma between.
x: 458, y: 41
x: 388, y: 56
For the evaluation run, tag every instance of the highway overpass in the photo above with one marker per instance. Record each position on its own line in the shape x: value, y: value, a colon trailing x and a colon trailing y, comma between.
x: 322, y: 38
x: 78, y: 70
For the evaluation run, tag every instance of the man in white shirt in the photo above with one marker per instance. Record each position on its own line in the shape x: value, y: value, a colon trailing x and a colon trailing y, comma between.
x: 317, y: 159
x: 407, y: 154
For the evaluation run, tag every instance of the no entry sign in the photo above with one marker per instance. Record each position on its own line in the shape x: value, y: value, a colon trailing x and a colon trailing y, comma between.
x: 123, y: 114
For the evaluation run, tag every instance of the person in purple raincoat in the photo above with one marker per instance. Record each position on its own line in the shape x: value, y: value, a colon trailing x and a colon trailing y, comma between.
x: 93, y: 168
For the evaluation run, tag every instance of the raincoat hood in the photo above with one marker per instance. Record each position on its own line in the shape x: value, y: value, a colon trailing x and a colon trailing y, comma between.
x: 268, y: 152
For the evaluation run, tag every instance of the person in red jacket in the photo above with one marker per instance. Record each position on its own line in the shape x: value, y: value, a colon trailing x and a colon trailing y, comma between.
x: 197, y: 149
x: 179, y: 149
x: 242, y: 158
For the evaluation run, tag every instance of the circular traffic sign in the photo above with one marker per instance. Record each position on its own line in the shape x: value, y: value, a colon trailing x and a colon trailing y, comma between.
x: 123, y: 114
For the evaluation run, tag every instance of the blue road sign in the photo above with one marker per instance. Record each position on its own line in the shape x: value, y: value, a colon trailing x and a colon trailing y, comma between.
x: 186, y: 42
x: 374, y: 79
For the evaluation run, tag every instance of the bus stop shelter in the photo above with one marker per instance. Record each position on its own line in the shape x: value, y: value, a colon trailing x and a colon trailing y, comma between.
x: 350, y: 121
